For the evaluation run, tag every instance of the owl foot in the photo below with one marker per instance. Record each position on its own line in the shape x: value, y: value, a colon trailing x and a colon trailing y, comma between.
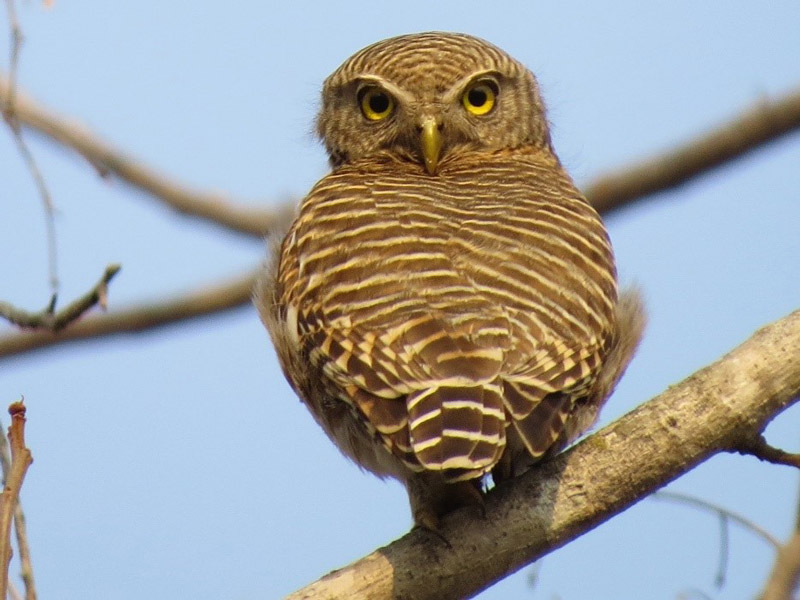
x: 431, y: 498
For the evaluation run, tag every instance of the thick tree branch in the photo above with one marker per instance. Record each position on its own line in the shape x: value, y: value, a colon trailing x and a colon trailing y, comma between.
x: 767, y: 121
x: 212, y: 299
x: 215, y: 208
x: 708, y: 413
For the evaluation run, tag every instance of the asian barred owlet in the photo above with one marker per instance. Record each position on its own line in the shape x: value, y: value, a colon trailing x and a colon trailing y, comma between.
x: 445, y: 302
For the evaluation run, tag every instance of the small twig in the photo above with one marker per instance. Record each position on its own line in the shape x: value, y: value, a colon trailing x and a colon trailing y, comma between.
x: 694, y: 593
x: 13, y: 592
x: 729, y: 514
x: 783, y: 579
x: 724, y: 550
x: 20, y: 461
x: 54, y: 321
x: 757, y: 446
x: 12, y: 119
x: 200, y: 303
x: 725, y: 516
x: 16, y: 45
x: 26, y: 564
x: 785, y: 574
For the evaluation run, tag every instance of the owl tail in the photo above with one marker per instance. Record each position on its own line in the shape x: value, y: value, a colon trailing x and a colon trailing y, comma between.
x: 457, y: 430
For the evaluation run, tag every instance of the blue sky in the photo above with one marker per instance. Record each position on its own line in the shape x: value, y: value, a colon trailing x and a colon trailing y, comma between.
x: 178, y: 464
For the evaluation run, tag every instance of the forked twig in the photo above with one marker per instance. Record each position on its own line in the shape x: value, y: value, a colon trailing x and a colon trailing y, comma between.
x: 51, y: 320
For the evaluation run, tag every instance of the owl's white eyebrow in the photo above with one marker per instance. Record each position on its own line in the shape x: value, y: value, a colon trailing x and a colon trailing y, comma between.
x: 458, y: 88
x: 398, y: 92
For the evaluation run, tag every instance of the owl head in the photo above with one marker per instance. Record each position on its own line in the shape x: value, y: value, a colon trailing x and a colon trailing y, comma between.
x: 427, y: 98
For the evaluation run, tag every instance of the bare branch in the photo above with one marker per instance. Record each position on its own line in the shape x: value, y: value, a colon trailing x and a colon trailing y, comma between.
x: 755, y: 127
x: 583, y: 487
x: 212, y: 207
x: 20, y: 461
x: 9, y: 109
x: 757, y: 446
x: 720, y: 510
x: 55, y: 321
x: 214, y: 298
x: 767, y: 121
x: 26, y: 564
x: 785, y: 574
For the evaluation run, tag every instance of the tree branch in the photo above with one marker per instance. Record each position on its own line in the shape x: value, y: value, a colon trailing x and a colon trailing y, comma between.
x: 212, y: 299
x: 54, y: 321
x: 721, y: 511
x: 20, y: 461
x: 765, y: 122
x: 708, y: 413
x: 768, y: 121
x: 8, y: 104
x: 755, y: 127
x: 25, y: 562
x: 785, y: 574
x: 215, y: 208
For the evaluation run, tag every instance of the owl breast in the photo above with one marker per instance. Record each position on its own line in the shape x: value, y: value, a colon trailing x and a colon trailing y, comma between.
x: 496, y: 278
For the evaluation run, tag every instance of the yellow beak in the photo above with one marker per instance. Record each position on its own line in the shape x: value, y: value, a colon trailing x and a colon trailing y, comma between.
x: 431, y: 141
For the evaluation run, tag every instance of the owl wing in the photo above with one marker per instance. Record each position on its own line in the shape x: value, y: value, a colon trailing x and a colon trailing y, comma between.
x: 426, y: 385
x: 435, y: 326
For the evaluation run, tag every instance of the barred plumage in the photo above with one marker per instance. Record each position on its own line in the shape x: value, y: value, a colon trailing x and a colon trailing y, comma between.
x: 446, y: 301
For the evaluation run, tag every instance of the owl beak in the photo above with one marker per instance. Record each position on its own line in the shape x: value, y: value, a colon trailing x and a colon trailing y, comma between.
x: 431, y: 140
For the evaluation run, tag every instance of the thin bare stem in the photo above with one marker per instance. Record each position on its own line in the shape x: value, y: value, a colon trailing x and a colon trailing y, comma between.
x: 20, y: 461
x: 785, y: 574
x: 9, y: 109
x: 51, y: 320
x: 16, y: 45
x: 26, y: 564
x: 721, y: 511
x: 757, y: 446
x: 200, y: 303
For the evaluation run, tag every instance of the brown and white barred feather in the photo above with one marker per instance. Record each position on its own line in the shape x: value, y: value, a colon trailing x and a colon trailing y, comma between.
x: 445, y: 302
x: 440, y: 315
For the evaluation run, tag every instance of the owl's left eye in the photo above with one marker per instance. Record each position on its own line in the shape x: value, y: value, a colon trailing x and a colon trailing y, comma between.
x: 480, y: 97
x: 375, y: 103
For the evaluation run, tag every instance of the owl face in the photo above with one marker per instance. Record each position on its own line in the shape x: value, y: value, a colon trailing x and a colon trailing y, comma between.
x: 428, y: 98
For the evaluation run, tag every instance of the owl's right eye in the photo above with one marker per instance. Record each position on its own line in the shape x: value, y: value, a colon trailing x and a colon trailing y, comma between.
x: 375, y: 103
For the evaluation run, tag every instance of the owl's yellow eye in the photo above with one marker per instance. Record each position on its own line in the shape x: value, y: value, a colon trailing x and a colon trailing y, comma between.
x: 479, y: 98
x: 375, y: 103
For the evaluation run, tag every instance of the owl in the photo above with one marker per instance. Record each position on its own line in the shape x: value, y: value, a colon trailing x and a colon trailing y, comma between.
x: 445, y: 302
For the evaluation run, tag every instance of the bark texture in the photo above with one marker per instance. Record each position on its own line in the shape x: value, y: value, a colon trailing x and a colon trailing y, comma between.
x: 717, y: 409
